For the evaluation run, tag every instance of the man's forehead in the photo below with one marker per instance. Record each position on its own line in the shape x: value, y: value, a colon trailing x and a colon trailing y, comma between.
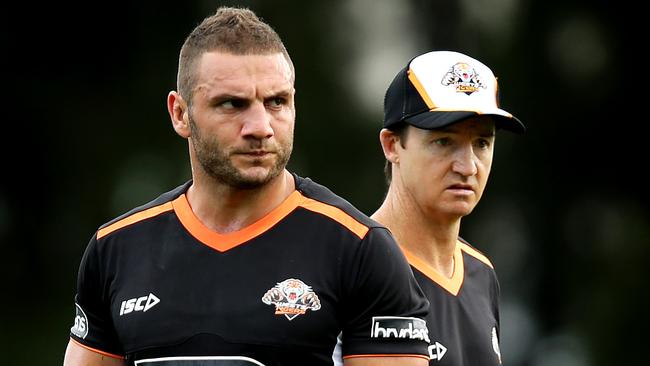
x: 220, y: 71
x: 225, y: 65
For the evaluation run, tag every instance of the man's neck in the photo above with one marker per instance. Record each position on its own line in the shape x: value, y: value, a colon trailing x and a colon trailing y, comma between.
x: 432, y: 240
x: 226, y: 209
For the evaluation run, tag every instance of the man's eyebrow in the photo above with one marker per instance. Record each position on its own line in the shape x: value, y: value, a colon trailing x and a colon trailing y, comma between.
x: 280, y: 94
x: 224, y: 96
x: 230, y: 96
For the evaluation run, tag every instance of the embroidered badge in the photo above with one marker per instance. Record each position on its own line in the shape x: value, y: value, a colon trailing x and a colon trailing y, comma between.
x: 464, y: 78
x: 291, y: 298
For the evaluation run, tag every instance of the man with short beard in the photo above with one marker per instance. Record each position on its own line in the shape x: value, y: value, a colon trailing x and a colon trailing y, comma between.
x: 246, y: 263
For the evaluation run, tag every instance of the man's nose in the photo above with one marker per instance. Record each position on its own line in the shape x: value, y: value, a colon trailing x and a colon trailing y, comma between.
x: 257, y: 122
x: 465, y: 161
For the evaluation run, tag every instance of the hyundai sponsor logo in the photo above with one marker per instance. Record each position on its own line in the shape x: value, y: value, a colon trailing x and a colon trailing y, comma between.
x: 399, y: 327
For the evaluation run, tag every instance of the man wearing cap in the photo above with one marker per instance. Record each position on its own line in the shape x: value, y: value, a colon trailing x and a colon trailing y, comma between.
x: 440, y: 117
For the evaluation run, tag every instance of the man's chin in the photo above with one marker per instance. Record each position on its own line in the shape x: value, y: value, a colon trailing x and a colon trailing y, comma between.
x: 459, y: 209
x: 464, y: 212
x: 255, y: 178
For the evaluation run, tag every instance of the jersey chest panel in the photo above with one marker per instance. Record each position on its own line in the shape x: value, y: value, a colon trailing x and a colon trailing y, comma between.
x: 461, y: 327
x: 273, y: 290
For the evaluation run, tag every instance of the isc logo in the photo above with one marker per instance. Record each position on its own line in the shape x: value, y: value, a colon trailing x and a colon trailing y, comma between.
x: 436, y: 351
x: 143, y: 304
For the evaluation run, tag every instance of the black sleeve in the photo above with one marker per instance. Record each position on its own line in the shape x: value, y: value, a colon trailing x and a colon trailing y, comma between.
x: 93, y: 326
x: 387, y: 311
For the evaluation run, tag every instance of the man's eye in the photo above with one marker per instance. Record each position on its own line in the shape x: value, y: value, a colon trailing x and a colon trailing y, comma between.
x: 442, y: 141
x: 276, y: 102
x: 483, y: 143
x: 232, y: 104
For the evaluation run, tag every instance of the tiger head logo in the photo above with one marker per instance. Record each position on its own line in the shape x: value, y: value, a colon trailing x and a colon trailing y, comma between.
x: 291, y: 298
x: 464, y: 78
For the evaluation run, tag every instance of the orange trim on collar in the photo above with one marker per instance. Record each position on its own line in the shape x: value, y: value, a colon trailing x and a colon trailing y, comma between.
x: 453, y: 284
x: 224, y: 242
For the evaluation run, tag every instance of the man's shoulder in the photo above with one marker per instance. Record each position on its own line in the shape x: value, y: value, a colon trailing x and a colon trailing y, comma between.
x: 324, y: 195
x: 475, y: 253
x: 156, y: 205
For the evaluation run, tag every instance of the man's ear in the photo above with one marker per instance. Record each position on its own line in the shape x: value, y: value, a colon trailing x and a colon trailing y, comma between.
x: 179, y: 114
x: 389, y: 141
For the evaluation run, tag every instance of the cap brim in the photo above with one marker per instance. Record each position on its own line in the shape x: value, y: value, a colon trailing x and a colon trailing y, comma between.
x: 432, y: 120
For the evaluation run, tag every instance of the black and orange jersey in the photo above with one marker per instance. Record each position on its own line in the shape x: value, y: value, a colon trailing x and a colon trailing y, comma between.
x: 463, y: 320
x: 159, y: 288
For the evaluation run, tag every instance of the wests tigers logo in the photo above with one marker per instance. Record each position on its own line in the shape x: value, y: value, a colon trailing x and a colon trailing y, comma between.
x: 291, y: 298
x: 464, y: 78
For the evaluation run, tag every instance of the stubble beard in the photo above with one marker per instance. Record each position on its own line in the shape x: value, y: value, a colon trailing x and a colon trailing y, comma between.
x: 218, y: 165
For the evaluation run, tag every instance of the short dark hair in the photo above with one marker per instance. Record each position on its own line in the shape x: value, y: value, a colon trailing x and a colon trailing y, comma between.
x: 401, y: 131
x: 232, y: 30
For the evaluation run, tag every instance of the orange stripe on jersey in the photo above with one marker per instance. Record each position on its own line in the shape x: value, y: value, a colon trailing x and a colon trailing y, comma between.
x: 453, y: 284
x: 96, y: 350
x: 476, y: 254
x: 388, y: 355
x: 132, y: 219
x: 224, y: 242
x: 336, y: 214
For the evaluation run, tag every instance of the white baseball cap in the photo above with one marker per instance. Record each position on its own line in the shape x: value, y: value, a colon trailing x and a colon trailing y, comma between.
x: 440, y: 88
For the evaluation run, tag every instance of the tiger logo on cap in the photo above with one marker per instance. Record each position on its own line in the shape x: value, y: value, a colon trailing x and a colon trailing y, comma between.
x: 464, y: 78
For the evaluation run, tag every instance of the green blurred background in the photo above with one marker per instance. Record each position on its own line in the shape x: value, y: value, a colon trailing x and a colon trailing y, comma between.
x: 565, y: 216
